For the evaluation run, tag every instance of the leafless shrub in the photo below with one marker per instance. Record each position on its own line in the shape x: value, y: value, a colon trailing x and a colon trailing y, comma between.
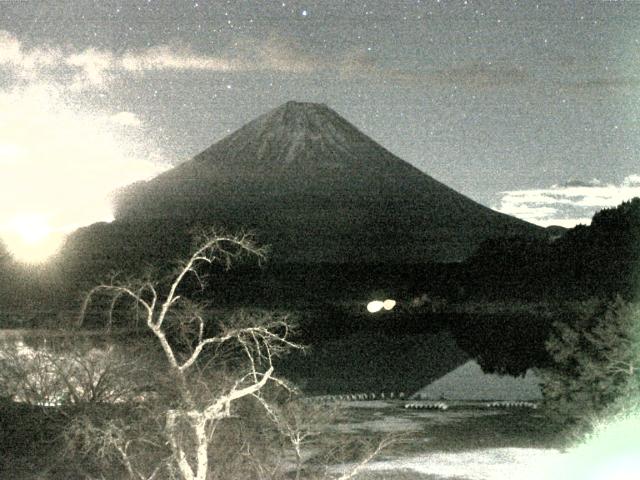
x: 74, y: 372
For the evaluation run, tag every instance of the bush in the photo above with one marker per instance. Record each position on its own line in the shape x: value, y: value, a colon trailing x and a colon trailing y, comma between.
x: 596, y: 361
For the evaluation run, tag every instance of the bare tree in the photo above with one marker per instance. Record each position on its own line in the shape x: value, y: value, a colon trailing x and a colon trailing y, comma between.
x: 214, y: 376
x: 72, y: 373
x: 190, y: 420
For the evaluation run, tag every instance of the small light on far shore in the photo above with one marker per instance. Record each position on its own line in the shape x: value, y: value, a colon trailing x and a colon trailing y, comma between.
x: 377, y: 305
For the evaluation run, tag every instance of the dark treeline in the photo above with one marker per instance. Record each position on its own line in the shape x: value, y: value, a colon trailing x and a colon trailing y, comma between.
x: 600, y: 260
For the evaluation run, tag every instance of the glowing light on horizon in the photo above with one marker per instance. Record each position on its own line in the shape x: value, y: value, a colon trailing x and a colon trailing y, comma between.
x: 388, y: 304
x: 60, y: 162
x: 30, y: 238
x: 377, y: 305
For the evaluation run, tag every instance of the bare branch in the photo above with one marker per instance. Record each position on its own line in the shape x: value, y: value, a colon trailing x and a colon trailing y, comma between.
x: 117, y: 290
x: 222, y: 404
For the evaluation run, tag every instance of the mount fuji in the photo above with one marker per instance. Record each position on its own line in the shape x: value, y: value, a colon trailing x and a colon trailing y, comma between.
x: 317, y: 190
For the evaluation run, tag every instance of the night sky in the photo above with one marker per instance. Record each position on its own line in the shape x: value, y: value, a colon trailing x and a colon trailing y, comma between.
x: 529, y: 107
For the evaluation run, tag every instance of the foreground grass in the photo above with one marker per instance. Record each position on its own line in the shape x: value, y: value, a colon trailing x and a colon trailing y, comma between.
x: 32, y: 446
x: 460, y: 443
x: 456, y: 429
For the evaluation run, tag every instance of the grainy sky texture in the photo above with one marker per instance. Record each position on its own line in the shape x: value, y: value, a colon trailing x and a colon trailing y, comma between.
x: 529, y: 107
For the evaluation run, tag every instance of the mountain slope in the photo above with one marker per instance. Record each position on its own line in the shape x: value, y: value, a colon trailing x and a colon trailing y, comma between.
x: 318, y: 190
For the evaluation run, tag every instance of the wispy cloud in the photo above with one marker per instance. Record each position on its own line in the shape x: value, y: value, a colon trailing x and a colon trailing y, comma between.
x: 615, y: 82
x: 483, y: 75
x: 567, y: 204
x: 93, y: 68
x: 469, y: 74
x: 13, y: 54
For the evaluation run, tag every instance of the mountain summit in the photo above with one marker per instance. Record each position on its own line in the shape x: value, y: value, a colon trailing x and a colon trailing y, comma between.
x: 296, y: 148
x: 318, y: 190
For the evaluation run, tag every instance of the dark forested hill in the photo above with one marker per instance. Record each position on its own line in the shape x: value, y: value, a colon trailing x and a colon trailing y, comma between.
x: 601, y: 259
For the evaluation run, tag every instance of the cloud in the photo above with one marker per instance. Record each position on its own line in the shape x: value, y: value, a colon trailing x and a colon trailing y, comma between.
x: 61, y: 163
x: 568, y: 204
x: 581, y: 183
x: 631, y: 181
x: 164, y: 57
x: 280, y: 55
x: 60, y: 159
x: 483, y: 75
x: 94, y: 68
x: 464, y: 75
x: 274, y: 54
x: 12, y: 53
